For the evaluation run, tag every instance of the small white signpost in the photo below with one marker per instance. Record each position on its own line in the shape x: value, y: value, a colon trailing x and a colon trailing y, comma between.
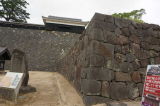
x: 10, y: 85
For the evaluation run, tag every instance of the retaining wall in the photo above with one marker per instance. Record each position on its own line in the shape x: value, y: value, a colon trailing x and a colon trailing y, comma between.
x: 43, y: 48
x: 109, y: 61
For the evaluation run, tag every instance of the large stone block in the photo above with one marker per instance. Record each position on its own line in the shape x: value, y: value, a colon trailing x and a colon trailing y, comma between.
x: 19, y: 64
x: 105, y: 89
x: 142, y: 54
x: 135, y: 39
x: 109, y: 27
x: 109, y: 19
x: 99, y: 17
x: 145, y: 45
x: 135, y: 48
x: 130, y: 57
x: 113, y: 65
x: 110, y: 37
x: 118, y: 49
x: 140, y: 88
x: 133, y: 91
x: 144, y: 62
x: 90, y: 87
x: 157, y: 60
x: 125, y: 49
x: 121, y: 40
x: 84, y: 72
x: 118, y: 91
x: 126, y: 67
x: 97, y: 60
x: 96, y: 34
x: 122, y: 23
x: 118, y: 31
x: 120, y: 76
x: 100, y: 74
x: 103, y: 49
x: 153, y: 53
x: 90, y: 100
x: 136, y: 65
x: 152, y: 40
x: 120, y: 57
x: 132, y: 30
x: 136, y: 77
x: 155, y: 47
x: 125, y: 31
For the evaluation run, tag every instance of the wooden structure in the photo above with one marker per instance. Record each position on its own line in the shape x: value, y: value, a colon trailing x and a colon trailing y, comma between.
x: 64, y: 24
x: 4, y: 55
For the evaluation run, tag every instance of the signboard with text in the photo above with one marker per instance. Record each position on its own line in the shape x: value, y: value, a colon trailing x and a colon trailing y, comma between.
x: 11, y: 84
x: 11, y: 80
x: 151, y: 90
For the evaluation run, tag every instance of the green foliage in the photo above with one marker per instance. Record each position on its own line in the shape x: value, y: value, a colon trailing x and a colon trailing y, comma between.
x: 134, y: 15
x: 13, y: 10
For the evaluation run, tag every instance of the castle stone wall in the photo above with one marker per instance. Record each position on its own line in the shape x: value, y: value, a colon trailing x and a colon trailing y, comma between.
x: 109, y: 61
x: 43, y: 48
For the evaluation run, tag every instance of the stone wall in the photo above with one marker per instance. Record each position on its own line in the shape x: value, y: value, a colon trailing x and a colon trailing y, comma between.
x: 110, y: 59
x: 43, y: 48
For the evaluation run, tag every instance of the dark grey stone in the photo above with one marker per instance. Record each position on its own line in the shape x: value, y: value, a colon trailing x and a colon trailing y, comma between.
x: 120, y: 76
x: 140, y: 88
x: 90, y: 87
x: 109, y: 27
x: 125, y: 31
x: 109, y: 19
x: 144, y: 62
x: 103, y: 49
x: 110, y: 37
x: 122, y: 23
x: 91, y: 100
x: 120, y: 57
x: 96, y: 34
x: 100, y: 74
x: 118, y: 31
x: 136, y: 77
x: 135, y: 39
x: 130, y: 57
x: 99, y: 17
x: 136, y: 64
x: 97, y: 61
x: 125, y: 49
x: 113, y: 65
x: 155, y: 47
x: 153, y: 53
x: 133, y: 91
x: 126, y: 67
x: 142, y: 54
x: 19, y: 64
x: 118, y: 91
x: 118, y: 49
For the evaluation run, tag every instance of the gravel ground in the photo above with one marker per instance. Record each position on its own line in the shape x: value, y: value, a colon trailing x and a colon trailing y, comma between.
x: 52, y: 90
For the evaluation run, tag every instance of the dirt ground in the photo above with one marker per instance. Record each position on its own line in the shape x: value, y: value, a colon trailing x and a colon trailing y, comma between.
x: 52, y: 90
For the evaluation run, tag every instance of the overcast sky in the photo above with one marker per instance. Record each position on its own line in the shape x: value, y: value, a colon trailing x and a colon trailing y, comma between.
x: 85, y: 9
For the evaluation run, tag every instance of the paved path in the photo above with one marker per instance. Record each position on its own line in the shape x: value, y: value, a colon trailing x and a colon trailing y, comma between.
x: 52, y: 90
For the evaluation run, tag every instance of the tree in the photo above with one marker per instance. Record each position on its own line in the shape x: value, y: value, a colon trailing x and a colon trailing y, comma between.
x: 14, y: 10
x: 134, y: 15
